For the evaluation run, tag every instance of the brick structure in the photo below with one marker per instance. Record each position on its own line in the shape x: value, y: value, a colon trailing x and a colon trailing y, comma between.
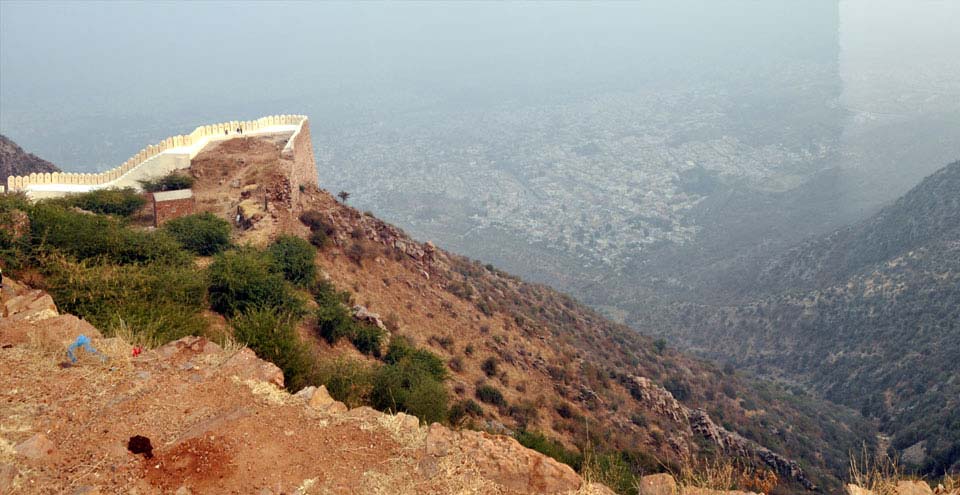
x: 168, y: 205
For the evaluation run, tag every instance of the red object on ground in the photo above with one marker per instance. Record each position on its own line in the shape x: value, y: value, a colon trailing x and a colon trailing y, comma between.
x: 137, y: 350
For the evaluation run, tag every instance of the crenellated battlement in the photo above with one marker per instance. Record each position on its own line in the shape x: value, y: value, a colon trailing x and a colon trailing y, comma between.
x: 156, y: 160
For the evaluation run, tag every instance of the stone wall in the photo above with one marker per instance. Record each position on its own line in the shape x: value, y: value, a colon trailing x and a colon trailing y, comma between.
x: 303, y: 166
x: 158, y: 159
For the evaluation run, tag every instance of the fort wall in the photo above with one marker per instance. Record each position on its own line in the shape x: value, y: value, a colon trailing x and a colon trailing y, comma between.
x: 174, y: 153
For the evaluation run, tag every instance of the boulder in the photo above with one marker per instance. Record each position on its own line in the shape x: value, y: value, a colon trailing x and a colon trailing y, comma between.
x: 364, y: 315
x: 36, y: 447
x: 8, y: 475
x: 658, y: 484
x: 247, y: 366
x: 187, y: 346
x: 31, y: 306
x: 689, y: 490
x: 318, y: 398
x: 913, y: 487
x: 503, y: 460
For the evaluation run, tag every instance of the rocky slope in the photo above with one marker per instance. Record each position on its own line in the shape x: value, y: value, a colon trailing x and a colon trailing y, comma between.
x: 192, y: 417
x: 867, y: 316
x: 15, y: 161
x: 562, y: 369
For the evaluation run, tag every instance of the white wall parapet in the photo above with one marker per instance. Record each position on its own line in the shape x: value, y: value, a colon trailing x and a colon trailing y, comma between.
x: 156, y: 160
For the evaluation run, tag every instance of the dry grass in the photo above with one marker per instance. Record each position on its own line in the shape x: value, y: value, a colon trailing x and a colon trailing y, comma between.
x: 719, y: 473
x: 879, y: 473
x: 725, y: 473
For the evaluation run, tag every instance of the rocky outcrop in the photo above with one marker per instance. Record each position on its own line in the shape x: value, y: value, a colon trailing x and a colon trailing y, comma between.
x: 902, y: 487
x: 362, y: 314
x: 503, y: 460
x: 699, y: 422
x: 734, y: 443
x: 664, y: 484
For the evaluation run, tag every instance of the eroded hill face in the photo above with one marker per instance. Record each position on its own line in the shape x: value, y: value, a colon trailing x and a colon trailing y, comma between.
x: 562, y: 370
x: 15, y: 161
x: 868, y: 316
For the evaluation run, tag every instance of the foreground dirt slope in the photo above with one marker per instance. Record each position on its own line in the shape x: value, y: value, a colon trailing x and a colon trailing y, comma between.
x: 217, y: 423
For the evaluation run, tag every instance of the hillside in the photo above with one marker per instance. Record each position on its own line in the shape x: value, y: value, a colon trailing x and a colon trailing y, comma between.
x: 563, y: 370
x: 867, y: 316
x: 213, y: 420
x: 500, y: 355
x: 15, y: 161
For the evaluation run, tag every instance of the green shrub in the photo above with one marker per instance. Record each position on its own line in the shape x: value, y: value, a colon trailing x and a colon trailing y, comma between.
x: 491, y: 395
x: 159, y: 303
x: 273, y: 336
x: 121, y: 202
x: 401, y: 350
x: 243, y: 280
x: 349, y: 381
x: 463, y: 409
x: 409, y: 387
x: 84, y: 236
x: 489, y: 366
x: 204, y: 233
x: 549, y: 447
x: 319, y: 238
x: 367, y: 338
x: 171, y: 182
x: 316, y: 221
x: 295, y: 258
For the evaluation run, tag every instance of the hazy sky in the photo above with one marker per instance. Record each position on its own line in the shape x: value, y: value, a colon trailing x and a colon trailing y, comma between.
x: 184, y: 53
x: 74, y: 75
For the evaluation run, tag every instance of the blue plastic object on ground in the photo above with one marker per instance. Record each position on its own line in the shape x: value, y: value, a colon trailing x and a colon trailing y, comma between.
x: 84, y: 342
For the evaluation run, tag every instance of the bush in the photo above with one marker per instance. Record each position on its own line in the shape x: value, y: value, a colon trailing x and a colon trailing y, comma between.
x: 171, y: 182
x: 157, y: 303
x: 204, y: 233
x: 367, y: 339
x: 273, y: 336
x: 242, y: 280
x: 548, y: 447
x: 401, y: 350
x: 319, y: 239
x: 333, y: 318
x: 295, y: 258
x: 410, y: 387
x: 84, y: 236
x: 491, y: 395
x: 489, y: 366
x: 463, y: 409
x: 349, y: 381
x: 316, y: 221
x: 121, y: 202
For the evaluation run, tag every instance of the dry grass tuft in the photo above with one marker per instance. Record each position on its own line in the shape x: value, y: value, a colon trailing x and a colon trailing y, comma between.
x: 266, y: 391
x: 726, y: 473
x: 879, y: 473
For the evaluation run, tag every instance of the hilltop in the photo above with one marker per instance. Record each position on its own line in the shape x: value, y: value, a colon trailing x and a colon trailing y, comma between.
x: 15, y: 161
x: 866, y: 316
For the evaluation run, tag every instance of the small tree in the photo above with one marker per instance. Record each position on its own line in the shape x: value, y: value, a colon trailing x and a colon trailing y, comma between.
x: 204, y: 233
x: 343, y: 195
